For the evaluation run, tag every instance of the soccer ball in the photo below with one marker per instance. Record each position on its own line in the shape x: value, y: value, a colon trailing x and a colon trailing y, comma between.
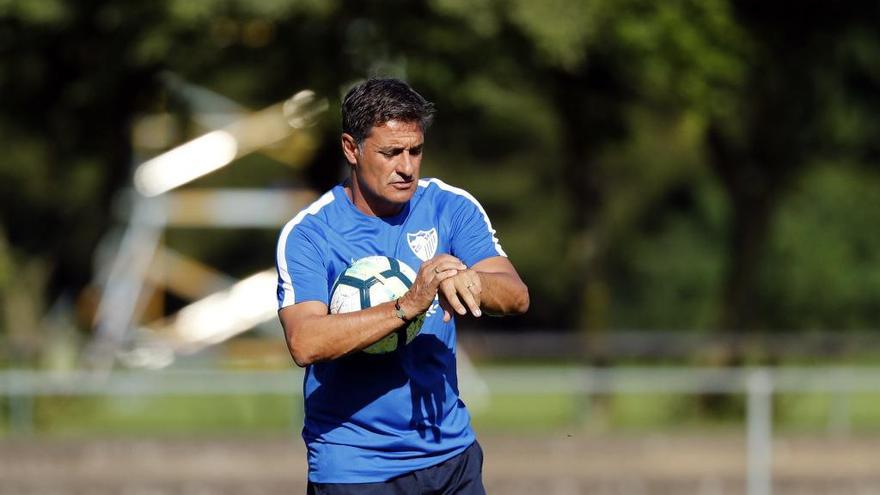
x: 374, y: 280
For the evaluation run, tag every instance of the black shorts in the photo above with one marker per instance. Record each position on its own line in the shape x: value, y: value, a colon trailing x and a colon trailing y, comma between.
x: 460, y: 475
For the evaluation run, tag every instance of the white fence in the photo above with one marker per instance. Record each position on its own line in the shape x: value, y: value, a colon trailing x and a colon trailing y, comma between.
x: 757, y: 384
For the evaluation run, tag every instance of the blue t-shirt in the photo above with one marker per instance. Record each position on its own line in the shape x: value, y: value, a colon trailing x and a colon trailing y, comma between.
x: 369, y: 417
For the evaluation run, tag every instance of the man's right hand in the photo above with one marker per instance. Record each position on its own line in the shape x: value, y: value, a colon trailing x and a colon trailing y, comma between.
x: 424, y: 289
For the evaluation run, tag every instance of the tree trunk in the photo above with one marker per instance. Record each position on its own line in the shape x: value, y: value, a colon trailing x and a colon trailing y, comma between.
x: 748, y: 231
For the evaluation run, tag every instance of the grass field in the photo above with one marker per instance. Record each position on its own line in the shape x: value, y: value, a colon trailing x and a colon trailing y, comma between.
x: 210, y: 414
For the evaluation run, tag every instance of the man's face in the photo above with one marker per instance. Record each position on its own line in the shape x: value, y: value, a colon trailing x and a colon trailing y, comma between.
x: 387, y: 166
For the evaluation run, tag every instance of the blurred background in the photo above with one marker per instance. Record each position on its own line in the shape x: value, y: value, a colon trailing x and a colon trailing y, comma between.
x: 689, y: 188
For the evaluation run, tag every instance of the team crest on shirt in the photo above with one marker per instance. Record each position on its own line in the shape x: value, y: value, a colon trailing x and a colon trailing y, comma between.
x: 423, y: 243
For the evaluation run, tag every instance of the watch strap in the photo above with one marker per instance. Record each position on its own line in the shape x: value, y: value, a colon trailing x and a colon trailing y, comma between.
x: 398, y: 311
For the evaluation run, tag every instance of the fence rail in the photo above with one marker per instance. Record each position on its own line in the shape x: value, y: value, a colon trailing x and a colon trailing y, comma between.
x: 500, y: 379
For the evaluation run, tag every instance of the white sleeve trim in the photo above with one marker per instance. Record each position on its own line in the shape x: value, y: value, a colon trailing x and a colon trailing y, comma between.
x: 461, y: 192
x: 285, y: 280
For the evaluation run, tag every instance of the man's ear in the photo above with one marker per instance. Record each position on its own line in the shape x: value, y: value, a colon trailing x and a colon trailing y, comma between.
x: 350, y: 149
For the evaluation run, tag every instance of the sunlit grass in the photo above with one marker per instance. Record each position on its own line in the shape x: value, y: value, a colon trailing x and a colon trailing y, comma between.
x: 190, y: 415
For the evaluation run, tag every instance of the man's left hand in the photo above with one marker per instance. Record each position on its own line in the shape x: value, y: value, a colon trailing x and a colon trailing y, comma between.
x: 461, y: 293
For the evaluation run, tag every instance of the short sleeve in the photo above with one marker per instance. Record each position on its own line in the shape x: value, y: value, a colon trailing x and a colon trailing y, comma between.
x: 473, y: 237
x: 302, y: 272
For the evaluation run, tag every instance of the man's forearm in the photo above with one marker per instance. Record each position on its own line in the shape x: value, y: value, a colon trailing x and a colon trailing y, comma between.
x: 503, y: 293
x: 329, y: 336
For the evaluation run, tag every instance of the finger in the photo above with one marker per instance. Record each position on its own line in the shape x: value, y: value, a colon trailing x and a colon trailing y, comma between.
x: 444, y: 260
x: 440, y: 258
x: 424, y: 287
x: 470, y: 299
x: 447, y: 310
x: 430, y: 276
x: 476, y: 285
x: 451, y: 294
x: 440, y: 276
x: 448, y: 265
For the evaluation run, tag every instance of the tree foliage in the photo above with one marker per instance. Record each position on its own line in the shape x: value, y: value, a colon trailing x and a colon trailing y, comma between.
x: 641, y: 160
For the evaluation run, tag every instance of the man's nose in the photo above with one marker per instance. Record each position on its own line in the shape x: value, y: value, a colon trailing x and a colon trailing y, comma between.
x: 406, y: 165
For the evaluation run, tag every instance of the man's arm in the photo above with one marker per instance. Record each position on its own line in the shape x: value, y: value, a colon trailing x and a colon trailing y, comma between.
x: 503, y: 292
x: 492, y: 285
x: 313, y: 335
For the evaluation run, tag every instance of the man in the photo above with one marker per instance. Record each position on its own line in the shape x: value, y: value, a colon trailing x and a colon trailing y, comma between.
x: 390, y: 423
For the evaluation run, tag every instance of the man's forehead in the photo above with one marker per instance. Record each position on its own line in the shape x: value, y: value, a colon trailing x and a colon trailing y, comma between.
x: 397, y: 132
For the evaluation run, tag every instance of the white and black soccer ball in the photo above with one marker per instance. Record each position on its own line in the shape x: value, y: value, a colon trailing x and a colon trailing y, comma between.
x: 370, y: 281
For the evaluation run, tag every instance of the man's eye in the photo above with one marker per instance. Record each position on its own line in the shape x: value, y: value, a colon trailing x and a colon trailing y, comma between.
x: 415, y: 151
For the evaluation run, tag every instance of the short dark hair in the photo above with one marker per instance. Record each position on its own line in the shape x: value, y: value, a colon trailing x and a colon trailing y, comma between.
x: 376, y: 101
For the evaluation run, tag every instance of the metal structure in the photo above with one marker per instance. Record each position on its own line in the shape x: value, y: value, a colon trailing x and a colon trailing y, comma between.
x: 223, y: 306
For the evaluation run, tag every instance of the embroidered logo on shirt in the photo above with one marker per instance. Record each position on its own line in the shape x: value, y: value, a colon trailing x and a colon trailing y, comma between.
x: 423, y: 243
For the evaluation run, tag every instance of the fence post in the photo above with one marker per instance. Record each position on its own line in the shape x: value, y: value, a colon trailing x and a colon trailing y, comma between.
x: 839, y: 413
x: 759, y: 434
x: 21, y: 414
x: 584, y: 398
